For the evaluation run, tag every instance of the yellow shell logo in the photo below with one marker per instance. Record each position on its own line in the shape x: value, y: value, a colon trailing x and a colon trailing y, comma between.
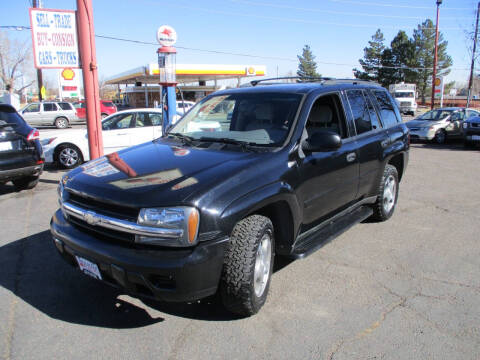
x: 438, y: 82
x: 68, y: 74
x: 251, y: 70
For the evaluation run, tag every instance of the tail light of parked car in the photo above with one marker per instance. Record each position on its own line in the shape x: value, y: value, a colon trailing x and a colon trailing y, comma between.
x: 33, y: 135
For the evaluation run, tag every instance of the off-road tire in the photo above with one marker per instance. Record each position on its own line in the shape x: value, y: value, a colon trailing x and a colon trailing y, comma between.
x: 62, y: 161
x: 379, y: 211
x: 28, y: 182
x: 237, y: 282
x: 61, y: 123
x: 440, y: 137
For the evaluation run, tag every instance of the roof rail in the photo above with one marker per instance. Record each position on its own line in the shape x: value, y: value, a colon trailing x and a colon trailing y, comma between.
x: 313, y: 79
x: 302, y: 79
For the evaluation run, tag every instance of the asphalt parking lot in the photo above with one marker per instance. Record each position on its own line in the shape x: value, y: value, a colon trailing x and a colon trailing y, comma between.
x: 408, y: 288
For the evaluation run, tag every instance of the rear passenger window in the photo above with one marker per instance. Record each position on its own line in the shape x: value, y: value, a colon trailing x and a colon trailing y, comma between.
x: 360, y: 111
x: 65, y: 106
x: 49, y: 107
x: 387, y: 110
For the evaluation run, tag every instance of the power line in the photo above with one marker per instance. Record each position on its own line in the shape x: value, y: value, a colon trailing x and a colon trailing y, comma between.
x: 393, y: 5
x: 282, y: 6
x: 15, y: 27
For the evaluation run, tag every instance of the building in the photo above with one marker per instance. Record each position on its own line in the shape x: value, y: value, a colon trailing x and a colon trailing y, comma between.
x: 141, y: 84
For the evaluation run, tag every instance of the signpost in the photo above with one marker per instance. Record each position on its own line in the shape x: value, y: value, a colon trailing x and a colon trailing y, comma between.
x: 54, y: 36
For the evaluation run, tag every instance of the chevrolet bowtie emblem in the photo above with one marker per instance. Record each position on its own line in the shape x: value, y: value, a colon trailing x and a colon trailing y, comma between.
x: 91, y: 218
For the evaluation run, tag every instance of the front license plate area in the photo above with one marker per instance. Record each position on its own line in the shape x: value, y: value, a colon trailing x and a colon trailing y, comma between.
x: 6, y: 145
x: 88, y: 268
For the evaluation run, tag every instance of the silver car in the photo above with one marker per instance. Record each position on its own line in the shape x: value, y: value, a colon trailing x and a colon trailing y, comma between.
x: 60, y: 114
x: 440, y: 124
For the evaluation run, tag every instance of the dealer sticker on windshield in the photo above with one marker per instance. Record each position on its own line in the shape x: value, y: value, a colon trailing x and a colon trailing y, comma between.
x: 89, y: 268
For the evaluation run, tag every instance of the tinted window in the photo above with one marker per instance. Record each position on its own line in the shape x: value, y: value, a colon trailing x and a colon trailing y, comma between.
x: 10, y: 116
x: 373, y: 114
x: 121, y: 121
x: 49, y: 107
x: 387, y: 110
x: 360, y: 111
x: 459, y: 115
x: 107, y: 103
x: 142, y: 120
x: 65, y: 106
x: 32, y: 108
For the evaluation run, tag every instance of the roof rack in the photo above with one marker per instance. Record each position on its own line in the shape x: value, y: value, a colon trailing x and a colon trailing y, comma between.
x: 311, y: 79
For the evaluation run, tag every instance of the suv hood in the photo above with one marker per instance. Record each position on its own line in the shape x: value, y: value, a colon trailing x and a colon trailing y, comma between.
x: 156, y: 173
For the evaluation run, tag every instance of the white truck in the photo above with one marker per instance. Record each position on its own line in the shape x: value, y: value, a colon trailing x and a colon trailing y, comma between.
x: 404, y: 94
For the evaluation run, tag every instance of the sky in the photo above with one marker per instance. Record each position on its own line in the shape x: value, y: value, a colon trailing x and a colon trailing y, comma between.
x: 272, y: 32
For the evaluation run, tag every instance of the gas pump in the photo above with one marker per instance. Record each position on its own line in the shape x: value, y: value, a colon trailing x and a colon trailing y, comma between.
x: 167, y: 36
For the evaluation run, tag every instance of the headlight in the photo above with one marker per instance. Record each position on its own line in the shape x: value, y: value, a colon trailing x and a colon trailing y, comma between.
x: 46, y: 142
x: 465, y: 125
x: 185, y: 219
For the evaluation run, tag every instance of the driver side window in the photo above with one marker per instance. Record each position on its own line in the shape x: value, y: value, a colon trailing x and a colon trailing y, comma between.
x: 32, y: 108
x: 121, y: 121
x: 326, y: 114
x: 459, y: 115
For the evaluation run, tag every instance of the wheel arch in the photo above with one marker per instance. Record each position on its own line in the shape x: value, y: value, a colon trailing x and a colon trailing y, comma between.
x: 399, y: 163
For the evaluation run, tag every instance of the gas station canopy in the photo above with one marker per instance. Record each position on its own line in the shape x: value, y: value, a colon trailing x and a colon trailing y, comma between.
x: 188, y: 73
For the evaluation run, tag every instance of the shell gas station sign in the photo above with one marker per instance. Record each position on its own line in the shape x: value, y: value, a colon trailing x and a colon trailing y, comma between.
x: 69, y: 83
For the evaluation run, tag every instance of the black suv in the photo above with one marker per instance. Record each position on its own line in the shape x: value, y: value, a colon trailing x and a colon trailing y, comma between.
x: 21, y: 155
x: 246, y: 174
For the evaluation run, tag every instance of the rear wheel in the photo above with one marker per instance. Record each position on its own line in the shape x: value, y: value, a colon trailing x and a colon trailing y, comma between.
x: 248, y: 266
x: 387, y: 195
x: 61, y: 123
x: 28, y: 182
x: 68, y: 156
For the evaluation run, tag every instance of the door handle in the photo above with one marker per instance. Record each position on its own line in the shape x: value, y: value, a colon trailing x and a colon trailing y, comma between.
x: 351, y: 157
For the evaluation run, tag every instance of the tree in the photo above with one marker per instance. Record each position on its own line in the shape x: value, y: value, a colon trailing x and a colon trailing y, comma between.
x: 307, y: 67
x: 403, y: 51
x: 372, y: 58
x: 424, y: 42
x: 14, y: 64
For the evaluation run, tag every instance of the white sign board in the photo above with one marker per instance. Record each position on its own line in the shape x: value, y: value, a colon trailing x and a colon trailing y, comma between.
x: 54, y: 36
x: 69, y: 84
x: 439, y: 87
x: 166, y: 35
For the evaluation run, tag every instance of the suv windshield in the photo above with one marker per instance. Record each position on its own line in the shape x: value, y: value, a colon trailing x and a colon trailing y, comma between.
x: 258, y: 119
x: 433, y: 115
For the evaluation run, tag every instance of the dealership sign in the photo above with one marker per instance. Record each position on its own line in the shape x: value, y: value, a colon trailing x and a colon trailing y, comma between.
x: 54, y: 35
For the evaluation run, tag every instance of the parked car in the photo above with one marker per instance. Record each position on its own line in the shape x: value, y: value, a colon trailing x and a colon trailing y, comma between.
x: 184, y: 106
x: 440, y: 124
x: 60, y: 114
x: 107, y: 107
x: 200, y: 211
x: 69, y: 148
x: 471, y: 131
x: 21, y: 157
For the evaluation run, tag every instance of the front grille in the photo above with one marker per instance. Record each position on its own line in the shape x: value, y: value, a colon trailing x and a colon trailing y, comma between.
x: 404, y: 103
x: 105, y: 233
x: 105, y: 208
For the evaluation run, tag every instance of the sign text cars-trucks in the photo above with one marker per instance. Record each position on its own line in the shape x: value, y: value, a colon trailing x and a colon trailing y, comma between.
x: 404, y: 94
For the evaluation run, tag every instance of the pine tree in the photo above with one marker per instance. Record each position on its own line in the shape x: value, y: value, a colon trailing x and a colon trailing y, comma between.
x: 424, y: 41
x: 372, y: 58
x: 403, y: 51
x: 307, y: 67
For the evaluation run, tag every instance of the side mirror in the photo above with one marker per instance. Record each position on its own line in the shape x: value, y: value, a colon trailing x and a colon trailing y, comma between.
x: 322, y: 141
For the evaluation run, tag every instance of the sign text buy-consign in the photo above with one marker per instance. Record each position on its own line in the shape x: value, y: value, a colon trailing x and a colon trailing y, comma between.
x: 54, y: 35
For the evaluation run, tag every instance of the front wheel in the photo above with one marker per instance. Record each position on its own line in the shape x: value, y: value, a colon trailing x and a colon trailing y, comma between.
x: 68, y: 156
x: 440, y: 136
x: 387, y: 194
x: 248, y: 266
x: 28, y: 182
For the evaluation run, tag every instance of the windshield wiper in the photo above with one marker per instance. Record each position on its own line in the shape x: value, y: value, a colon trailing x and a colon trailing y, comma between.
x: 185, y: 138
x: 245, y: 145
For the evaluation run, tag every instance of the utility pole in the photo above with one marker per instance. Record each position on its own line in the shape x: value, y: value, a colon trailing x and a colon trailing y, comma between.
x: 86, y: 41
x: 39, y: 71
x: 470, y: 82
x: 435, y: 56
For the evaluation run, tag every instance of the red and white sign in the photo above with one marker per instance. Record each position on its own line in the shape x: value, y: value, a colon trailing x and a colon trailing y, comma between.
x: 54, y: 36
x: 438, y: 87
x: 166, y: 35
x: 69, y: 83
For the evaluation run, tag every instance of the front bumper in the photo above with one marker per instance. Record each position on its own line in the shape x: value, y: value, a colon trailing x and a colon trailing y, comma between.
x: 422, y: 134
x: 12, y: 174
x: 168, y: 274
x: 472, y: 134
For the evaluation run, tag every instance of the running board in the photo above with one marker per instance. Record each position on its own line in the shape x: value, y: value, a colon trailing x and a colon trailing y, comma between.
x: 331, y: 230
